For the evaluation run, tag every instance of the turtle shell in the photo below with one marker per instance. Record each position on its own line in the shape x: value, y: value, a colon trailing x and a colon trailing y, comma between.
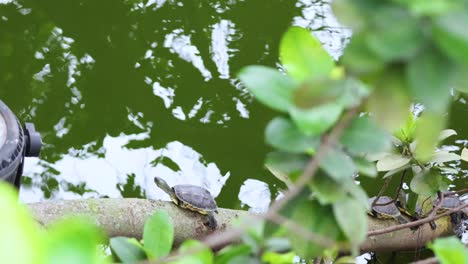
x: 195, y: 198
x: 390, y: 210
x: 448, y: 203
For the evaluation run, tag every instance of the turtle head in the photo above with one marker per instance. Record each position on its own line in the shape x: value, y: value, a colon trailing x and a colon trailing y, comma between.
x: 163, y: 185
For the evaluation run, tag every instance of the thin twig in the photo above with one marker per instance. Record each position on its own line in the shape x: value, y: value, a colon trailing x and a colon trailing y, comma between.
x: 415, y: 223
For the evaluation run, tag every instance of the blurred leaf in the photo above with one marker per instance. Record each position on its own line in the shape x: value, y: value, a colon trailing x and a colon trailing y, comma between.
x: 198, y: 253
x: 354, y: 91
x: 345, y: 260
x: 460, y: 78
x: 428, y: 128
x: 278, y: 244
x: 451, y: 35
x: 442, y: 156
x: 395, y: 171
x: 357, y: 192
x: 73, y: 240
x: 389, y: 104
x: 337, y: 164
x: 364, y: 136
x: 278, y: 258
x: 286, y: 166
x: 365, y: 167
x: 326, y: 190
x: 127, y: 251
x: 269, y: 86
x: 353, y: 13
x: 396, y: 34
x: 430, y: 8
x: 231, y: 253
x: 392, y: 162
x: 281, y: 133
x: 317, y: 92
x: 158, y: 235
x: 444, y: 134
x: 428, y: 78
x: 318, y: 219
x: 20, y: 240
x: 316, y: 120
x: 449, y: 250
x: 427, y: 183
x: 303, y: 56
x: 287, y: 211
x: 358, y: 59
x: 352, y: 218
x: 464, y: 154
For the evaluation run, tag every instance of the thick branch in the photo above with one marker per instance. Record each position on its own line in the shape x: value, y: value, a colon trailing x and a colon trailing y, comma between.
x: 126, y: 217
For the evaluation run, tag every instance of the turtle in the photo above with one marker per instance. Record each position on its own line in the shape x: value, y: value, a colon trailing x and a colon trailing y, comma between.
x: 386, y: 211
x: 448, y: 203
x: 191, y: 197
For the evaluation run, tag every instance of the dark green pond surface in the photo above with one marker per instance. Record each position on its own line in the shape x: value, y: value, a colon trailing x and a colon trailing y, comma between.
x: 122, y: 91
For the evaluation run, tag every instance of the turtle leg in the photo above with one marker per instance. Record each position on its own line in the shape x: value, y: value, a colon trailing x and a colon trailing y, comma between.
x: 401, y: 219
x: 212, y: 221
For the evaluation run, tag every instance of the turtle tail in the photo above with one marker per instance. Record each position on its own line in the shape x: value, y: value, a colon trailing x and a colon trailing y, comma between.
x: 212, y: 221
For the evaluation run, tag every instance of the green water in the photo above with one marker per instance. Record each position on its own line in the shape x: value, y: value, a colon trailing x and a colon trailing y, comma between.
x: 125, y: 90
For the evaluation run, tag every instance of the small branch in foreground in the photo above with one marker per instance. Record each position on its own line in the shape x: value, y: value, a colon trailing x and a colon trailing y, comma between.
x: 432, y: 260
x: 416, y: 223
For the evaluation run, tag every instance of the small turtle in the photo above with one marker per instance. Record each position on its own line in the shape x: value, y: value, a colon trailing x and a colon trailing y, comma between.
x: 449, y: 203
x: 191, y: 197
x: 387, y: 211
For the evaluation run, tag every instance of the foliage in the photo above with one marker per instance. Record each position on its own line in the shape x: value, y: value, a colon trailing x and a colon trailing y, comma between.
x: 449, y: 250
x: 73, y: 240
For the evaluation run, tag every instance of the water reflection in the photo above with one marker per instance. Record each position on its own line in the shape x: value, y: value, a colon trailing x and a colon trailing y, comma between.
x: 122, y: 90
x: 107, y: 173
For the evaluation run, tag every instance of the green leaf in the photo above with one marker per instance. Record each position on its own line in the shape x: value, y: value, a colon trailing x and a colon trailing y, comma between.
x: 352, y: 218
x: 316, y: 120
x: 303, y: 55
x: 366, y: 167
x: 354, y: 14
x: 358, y: 59
x: 337, y: 164
x: 198, y: 253
x: 20, y: 240
x: 464, y: 154
x: 392, y: 162
x: 158, y: 235
x: 442, y: 156
x: 431, y: 8
x: 427, y: 183
x: 318, y: 219
x: 281, y: 133
x: 326, y: 190
x: 395, y: 171
x: 286, y: 166
x: 364, y: 136
x: 317, y: 92
x: 73, y: 240
x: 444, y: 134
x: 428, y: 128
x: 278, y: 258
x: 428, y: 78
x: 127, y: 250
x: 449, y: 250
x: 396, y: 34
x: 451, y: 35
x: 354, y: 92
x: 389, y: 103
x: 232, y: 253
x: 269, y: 86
